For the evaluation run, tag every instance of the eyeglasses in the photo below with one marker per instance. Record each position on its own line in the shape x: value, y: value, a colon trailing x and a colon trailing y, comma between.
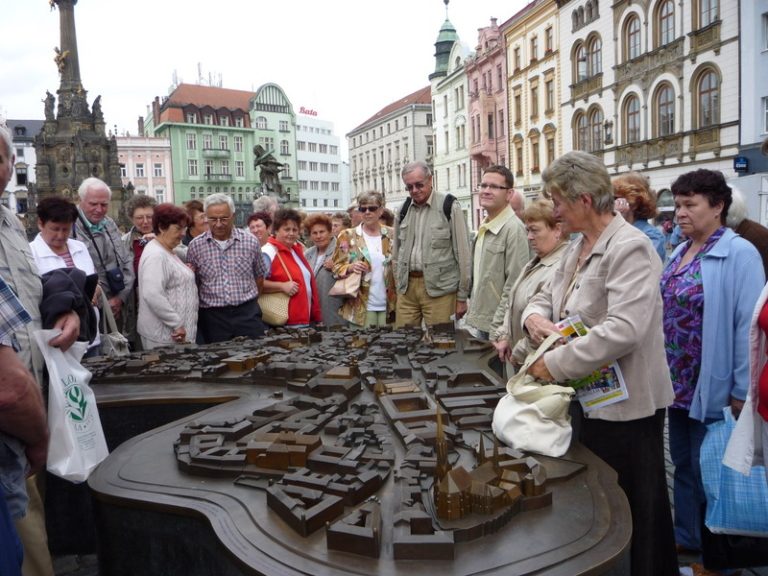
x: 484, y: 186
x: 417, y: 185
x: 365, y: 209
x: 223, y: 220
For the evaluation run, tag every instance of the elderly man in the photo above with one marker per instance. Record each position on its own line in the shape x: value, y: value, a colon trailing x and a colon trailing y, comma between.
x: 17, y: 269
x: 99, y: 232
x: 500, y: 253
x: 431, y: 253
x: 266, y: 203
x: 517, y: 203
x: 230, y: 272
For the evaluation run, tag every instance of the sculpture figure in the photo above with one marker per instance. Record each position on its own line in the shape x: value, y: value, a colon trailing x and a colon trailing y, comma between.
x: 98, y: 115
x: 50, y: 100
x: 60, y: 58
x: 270, y: 170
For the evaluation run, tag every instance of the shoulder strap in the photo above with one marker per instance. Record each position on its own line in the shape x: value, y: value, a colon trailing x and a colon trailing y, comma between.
x: 404, y: 209
x: 284, y: 266
x: 448, y: 205
x: 90, y: 234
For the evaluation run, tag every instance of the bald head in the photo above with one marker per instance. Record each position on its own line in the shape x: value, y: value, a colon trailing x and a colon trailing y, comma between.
x: 517, y: 203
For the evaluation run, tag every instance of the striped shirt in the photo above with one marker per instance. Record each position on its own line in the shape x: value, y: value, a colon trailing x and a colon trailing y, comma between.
x: 226, y: 275
x: 12, y: 315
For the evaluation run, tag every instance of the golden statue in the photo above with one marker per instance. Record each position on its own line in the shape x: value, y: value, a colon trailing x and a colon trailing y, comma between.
x: 60, y: 58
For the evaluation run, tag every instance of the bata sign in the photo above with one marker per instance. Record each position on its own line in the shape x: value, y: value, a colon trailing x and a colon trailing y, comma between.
x: 307, y: 111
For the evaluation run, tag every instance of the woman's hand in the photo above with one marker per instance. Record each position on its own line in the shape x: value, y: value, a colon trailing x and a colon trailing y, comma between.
x: 290, y: 287
x: 328, y: 264
x: 539, y: 328
x: 539, y: 371
x: 179, y: 335
x: 360, y: 267
x: 96, y: 300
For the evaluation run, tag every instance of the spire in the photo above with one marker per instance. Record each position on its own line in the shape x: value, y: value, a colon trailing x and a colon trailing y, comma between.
x: 446, y: 38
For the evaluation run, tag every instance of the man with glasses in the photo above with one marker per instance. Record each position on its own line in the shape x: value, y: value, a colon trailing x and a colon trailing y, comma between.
x: 431, y: 253
x: 230, y: 271
x: 500, y: 253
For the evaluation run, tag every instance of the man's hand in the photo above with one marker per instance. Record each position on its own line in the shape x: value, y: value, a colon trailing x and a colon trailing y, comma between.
x: 69, y: 324
x: 461, y: 309
x: 539, y: 371
x: 116, y: 304
x: 539, y: 328
x: 503, y: 350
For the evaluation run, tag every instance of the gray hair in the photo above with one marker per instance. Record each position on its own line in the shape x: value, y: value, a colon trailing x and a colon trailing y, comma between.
x: 578, y: 173
x: 5, y: 137
x: 371, y: 196
x: 265, y: 203
x: 92, y: 183
x: 219, y: 198
x: 737, y: 212
x: 417, y: 165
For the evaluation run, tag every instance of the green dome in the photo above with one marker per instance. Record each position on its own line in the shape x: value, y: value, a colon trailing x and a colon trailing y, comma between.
x: 447, y: 32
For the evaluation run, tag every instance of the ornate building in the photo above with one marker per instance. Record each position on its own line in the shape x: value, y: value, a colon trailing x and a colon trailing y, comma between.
x: 146, y: 166
x: 23, y: 133
x: 72, y: 144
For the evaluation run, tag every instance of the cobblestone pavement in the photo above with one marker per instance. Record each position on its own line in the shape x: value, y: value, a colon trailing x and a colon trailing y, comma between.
x: 88, y: 565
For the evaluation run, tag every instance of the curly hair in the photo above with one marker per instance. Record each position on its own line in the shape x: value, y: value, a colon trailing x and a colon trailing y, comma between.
x: 709, y: 183
x: 167, y: 214
x: 56, y: 209
x: 283, y: 215
x: 315, y: 219
x: 262, y: 215
x: 636, y: 188
x: 139, y: 201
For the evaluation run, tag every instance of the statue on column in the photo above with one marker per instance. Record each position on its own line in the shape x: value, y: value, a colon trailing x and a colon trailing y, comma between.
x: 98, y: 115
x: 60, y: 58
x: 270, y: 170
x: 50, y: 100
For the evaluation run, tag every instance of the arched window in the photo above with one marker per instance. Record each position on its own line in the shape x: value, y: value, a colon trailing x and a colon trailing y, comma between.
x: 665, y: 110
x: 261, y: 123
x: 666, y: 22
x: 708, y: 99
x: 595, y: 130
x: 707, y: 12
x: 632, y: 38
x: 595, y: 56
x: 581, y: 63
x: 588, y: 11
x: 575, y: 19
x: 632, y: 119
x: 582, y: 132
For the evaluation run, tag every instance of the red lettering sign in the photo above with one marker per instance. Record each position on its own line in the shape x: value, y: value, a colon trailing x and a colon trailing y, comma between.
x: 307, y: 111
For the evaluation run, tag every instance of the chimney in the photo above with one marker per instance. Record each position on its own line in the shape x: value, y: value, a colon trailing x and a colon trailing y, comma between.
x: 141, y: 125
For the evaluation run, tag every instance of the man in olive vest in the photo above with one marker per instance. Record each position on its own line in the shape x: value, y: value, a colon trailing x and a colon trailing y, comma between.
x: 431, y: 258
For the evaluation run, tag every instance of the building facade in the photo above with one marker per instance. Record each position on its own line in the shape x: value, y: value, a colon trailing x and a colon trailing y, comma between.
x: 16, y: 197
x: 533, y: 91
x: 319, y: 166
x: 146, y: 166
x: 379, y: 147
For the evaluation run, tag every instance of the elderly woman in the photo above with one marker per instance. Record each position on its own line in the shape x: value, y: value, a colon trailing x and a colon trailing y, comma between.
x: 340, y: 221
x: 320, y: 258
x: 636, y: 202
x: 260, y: 225
x: 367, y: 250
x: 709, y: 287
x: 290, y: 272
x: 139, y: 210
x: 168, y: 300
x: 198, y: 224
x: 546, y: 238
x: 52, y: 248
x: 609, y: 276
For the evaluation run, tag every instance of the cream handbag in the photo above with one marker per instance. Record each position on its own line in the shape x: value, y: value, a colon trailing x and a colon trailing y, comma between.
x: 533, y: 415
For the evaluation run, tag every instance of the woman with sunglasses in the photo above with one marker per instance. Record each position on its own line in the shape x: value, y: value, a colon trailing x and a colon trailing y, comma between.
x: 366, y: 249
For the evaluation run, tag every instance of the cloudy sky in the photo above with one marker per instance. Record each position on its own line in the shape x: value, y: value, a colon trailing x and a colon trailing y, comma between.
x: 346, y: 59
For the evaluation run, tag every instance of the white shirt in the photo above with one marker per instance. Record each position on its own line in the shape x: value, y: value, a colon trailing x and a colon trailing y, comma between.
x: 47, y: 260
x: 377, y: 297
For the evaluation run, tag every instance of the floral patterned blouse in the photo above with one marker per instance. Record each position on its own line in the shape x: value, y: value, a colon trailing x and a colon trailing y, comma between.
x: 682, y: 293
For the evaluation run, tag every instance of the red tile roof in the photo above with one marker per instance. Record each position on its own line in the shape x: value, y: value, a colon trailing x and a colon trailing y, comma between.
x: 421, y: 96
x: 200, y: 96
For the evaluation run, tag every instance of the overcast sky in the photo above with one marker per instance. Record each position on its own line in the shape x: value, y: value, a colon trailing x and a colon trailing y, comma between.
x: 346, y: 59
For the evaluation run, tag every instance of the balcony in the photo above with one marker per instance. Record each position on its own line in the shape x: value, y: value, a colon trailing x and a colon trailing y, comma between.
x: 660, y: 57
x: 586, y: 87
x: 705, y: 37
x: 650, y: 150
x: 211, y: 177
x: 215, y: 153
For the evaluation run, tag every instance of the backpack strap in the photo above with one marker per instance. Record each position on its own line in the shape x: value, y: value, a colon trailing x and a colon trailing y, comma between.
x: 447, y: 207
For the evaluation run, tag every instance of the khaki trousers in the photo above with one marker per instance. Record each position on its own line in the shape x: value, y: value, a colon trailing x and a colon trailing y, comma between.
x: 31, y: 529
x: 416, y: 305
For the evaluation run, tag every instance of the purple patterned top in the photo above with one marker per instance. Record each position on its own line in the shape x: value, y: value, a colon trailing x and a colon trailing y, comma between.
x: 682, y: 293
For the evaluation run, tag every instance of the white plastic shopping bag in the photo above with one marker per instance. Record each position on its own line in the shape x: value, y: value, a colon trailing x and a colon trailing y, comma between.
x: 77, y: 443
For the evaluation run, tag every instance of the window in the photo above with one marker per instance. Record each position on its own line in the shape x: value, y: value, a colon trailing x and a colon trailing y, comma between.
x: 223, y: 120
x: 261, y: 123
x: 314, y: 185
x: 323, y: 149
x: 283, y: 125
x: 191, y: 142
x: 225, y: 167
x: 665, y: 110
x: 445, y: 142
x: 238, y: 143
x: 207, y: 141
x: 549, y: 95
x: 325, y: 186
x: 632, y: 119
x: 501, y: 124
x: 313, y: 146
x: 596, y: 130
x: 323, y: 167
x: 284, y: 149
x: 595, y: 56
x: 548, y: 40
x: 191, y: 118
x: 223, y: 143
x: 666, y: 22
x: 159, y: 195
x: 302, y: 165
x: 303, y: 202
x: 550, y: 149
x: 123, y: 171
x: 534, y: 48
x: 632, y: 38
x: 581, y: 63
x: 534, y: 101
x: 157, y: 170
x: 445, y: 105
x: 708, y: 100
x: 518, y: 108
x: 333, y: 150
x: 208, y: 167
x: 519, y: 157
x: 301, y: 145
x: 239, y: 168
x: 499, y: 77
x: 192, y: 167
x: 239, y: 122
x: 208, y: 119
x: 314, y: 200
x: 535, y: 156
x: 516, y: 60
x: 707, y: 12
x: 313, y: 166
x: 582, y: 132
x: 490, y: 127
x: 334, y: 168
x: 140, y: 170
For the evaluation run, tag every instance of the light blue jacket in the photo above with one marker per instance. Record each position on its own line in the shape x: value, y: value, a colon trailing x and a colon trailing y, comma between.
x: 732, y: 275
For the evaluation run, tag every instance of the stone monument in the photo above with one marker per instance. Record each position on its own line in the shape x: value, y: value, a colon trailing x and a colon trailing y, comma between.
x: 270, y: 173
x: 73, y: 144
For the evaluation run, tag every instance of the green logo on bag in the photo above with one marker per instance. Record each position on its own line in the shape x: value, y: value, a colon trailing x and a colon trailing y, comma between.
x: 77, y: 404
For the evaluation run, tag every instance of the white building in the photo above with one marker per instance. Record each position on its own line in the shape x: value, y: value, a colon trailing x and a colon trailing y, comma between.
x: 23, y: 134
x: 146, y: 164
x: 319, y: 165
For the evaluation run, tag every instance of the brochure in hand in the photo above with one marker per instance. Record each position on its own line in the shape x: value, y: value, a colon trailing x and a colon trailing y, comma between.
x: 604, y: 386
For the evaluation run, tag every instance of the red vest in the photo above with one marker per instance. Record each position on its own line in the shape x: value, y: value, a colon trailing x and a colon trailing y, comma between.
x: 299, y: 311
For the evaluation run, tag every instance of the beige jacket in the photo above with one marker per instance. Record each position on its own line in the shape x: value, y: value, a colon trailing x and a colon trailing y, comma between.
x: 617, y: 296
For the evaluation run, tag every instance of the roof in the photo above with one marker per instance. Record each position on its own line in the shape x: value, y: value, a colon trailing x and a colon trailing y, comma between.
x: 32, y: 128
x: 212, y: 96
x: 421, y: 96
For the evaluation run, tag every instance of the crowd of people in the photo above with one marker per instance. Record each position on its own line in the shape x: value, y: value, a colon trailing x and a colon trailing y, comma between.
x: 678, y: 324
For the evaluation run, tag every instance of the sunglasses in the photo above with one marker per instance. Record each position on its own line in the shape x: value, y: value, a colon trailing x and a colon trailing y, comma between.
x: 417, y: 185
x: 365, y: 209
